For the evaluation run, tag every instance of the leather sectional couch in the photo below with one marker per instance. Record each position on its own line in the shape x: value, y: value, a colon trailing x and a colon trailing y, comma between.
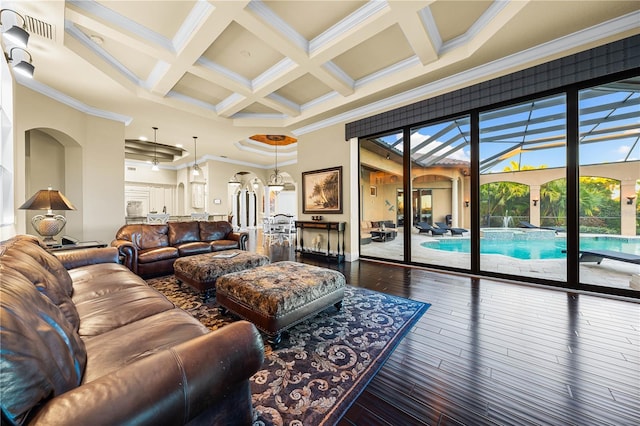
x: 87, y: 342
x: 150, y: 250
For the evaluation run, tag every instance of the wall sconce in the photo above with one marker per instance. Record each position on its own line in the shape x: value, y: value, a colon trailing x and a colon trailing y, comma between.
x: 535, y: 202
x: 26, y: 69
x: 630, y: 199
x: 466, y: 203
x: 15, y: 34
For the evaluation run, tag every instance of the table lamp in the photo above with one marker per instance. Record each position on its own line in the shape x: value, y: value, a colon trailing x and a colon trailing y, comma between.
x: 49, y: 225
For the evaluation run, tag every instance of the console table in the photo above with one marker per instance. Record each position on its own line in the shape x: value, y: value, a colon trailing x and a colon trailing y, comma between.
x: 337, y: 227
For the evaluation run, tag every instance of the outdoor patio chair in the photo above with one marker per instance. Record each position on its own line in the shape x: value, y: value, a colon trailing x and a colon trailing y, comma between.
x: 425, y: 227
x: 525, y: 224
x: 454, y: 231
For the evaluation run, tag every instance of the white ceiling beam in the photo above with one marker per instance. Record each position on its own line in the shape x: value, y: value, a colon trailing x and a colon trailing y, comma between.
x: 496, y: 17
x: 290, y: 48
x: 407, y: 14
x: 207, y: 22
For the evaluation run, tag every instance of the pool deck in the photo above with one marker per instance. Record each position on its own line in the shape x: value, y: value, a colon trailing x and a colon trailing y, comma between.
x: 609, y: 273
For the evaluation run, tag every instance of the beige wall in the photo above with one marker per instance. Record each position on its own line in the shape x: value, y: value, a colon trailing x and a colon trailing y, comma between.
x: 93, y: 158
x: 94, y: 177
x: 327, y: 148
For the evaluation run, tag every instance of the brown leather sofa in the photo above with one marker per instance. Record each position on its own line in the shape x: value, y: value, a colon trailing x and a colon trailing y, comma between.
x: 87, y: 342
x: 150, y: 250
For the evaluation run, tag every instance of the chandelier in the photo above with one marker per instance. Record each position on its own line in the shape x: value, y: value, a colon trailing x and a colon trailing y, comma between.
x: 234, y: 182
x: 276, y: 181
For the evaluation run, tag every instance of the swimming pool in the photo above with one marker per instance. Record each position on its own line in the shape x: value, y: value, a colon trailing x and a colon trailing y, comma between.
x: 537, y: 249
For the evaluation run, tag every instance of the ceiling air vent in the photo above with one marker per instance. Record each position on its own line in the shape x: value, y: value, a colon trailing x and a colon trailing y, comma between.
x: 131, y: 169
x: 40, y: 28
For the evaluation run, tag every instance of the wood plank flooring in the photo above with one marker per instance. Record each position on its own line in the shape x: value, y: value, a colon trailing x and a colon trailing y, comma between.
x: 489, y: 353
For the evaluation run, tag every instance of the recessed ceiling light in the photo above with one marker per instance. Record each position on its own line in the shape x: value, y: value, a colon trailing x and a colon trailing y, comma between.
x: 179, y: 145
x: 143, y: 138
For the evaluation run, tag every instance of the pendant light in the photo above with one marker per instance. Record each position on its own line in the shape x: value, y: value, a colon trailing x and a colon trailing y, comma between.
x: 234, y: 182
x: 155, y: 167
x: 196, y: 168
x: 276, y: 181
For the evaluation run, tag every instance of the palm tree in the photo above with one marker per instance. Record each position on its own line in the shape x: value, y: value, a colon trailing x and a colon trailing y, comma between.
x: 504, y: 199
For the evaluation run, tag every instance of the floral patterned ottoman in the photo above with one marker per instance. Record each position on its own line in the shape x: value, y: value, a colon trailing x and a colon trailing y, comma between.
x: 202, y: 270
x: 277, y: 296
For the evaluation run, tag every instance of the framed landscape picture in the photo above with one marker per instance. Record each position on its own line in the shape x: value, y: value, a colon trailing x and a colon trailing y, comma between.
x: 322, y: 191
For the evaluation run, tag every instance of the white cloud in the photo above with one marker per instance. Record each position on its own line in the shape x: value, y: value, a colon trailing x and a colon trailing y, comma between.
x: 418, y: 138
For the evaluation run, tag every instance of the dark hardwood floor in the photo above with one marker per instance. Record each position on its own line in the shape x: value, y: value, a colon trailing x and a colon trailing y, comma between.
x: 489, y: 352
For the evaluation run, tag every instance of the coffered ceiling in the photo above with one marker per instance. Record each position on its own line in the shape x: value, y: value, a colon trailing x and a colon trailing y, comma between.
x: 225, y: 70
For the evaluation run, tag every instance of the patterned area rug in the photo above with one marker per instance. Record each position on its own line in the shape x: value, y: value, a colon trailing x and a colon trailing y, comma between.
x: 323, y: 363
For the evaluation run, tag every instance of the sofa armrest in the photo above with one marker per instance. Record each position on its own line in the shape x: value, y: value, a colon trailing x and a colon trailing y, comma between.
x: 169, y: 387
x: 128, y: 254
x: 83, y: 257
x: 241, y: 237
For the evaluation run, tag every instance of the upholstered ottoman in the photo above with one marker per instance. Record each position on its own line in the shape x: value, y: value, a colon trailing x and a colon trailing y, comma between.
x: 202, y: 270
x: 276, y: 296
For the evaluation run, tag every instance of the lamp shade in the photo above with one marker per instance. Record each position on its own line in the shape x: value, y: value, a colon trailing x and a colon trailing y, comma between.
x: 47, y: 199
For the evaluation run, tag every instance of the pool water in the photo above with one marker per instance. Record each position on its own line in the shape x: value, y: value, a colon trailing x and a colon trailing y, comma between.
x: 536, y: 249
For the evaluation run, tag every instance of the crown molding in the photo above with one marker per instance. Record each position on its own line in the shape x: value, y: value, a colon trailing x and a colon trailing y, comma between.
x: 47, y: 91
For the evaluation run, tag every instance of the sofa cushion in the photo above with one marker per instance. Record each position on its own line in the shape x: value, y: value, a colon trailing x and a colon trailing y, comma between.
x: 117, y: 348
x: 183, y: 232
x: 93, y: 281
x: 211, y: 231
x: 25, y: 255
x: 188, y: 249
x: 219, y: 245
x: 113, y: 298
x: 42, y: 355
x: 156, y: 254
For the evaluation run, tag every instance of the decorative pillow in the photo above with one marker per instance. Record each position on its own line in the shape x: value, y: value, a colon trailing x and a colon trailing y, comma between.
x: 42, y: 356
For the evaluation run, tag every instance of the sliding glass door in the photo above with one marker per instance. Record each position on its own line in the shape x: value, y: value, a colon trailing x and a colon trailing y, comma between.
x: 555, y: 186
x: 382, y: 210
x: 440, y: 170
x: 610, y: 184
x: 523, y: 189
